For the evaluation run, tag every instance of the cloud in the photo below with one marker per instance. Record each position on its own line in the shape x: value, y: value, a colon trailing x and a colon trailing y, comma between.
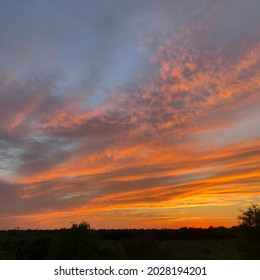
x: 148, y: 108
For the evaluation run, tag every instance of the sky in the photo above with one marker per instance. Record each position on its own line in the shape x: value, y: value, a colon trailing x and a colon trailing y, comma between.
x: 128, y: 114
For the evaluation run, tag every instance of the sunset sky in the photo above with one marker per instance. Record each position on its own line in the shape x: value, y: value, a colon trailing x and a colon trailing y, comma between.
x: 128, y: 113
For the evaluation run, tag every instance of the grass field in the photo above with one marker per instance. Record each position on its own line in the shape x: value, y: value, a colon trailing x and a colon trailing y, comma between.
x: 80, y: 242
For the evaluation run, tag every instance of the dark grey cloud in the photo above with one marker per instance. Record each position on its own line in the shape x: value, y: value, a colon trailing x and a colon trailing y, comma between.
x: 7, y: 190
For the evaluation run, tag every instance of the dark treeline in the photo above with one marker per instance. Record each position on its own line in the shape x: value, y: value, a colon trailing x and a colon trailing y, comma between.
x: 81, y: 242
x: 168, y: 234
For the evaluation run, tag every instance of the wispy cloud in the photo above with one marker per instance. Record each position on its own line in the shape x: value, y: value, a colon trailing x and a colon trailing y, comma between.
x: 136, y: 120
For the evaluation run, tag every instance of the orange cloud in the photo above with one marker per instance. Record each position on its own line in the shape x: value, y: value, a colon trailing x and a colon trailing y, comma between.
x: 176, y: 146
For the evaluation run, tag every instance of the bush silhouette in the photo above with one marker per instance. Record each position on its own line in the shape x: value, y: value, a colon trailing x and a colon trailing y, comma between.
x: 249, y: 223
x: 78, y: 242
x: 251, y: 217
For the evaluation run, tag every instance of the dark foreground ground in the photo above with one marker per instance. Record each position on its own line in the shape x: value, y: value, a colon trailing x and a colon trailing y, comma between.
x: 80, y: 242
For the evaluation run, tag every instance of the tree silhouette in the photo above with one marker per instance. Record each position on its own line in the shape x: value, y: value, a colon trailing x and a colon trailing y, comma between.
x: 83, y: 226
x: 249, y: 222
x: 77, y: 243
x: 250, y: 217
